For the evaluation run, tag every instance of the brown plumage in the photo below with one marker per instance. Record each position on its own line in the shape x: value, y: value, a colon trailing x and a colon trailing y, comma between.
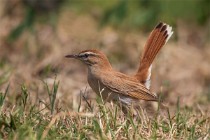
x: 116, y: 86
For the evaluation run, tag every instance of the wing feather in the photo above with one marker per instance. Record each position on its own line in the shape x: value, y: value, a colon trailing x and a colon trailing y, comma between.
x: 125, y: 85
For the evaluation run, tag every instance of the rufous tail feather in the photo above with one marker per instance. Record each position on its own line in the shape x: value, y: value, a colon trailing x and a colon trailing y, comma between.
x: 157, y: 39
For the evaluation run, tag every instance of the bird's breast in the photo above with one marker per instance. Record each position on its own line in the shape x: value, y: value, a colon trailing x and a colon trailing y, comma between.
x: 100, y: 89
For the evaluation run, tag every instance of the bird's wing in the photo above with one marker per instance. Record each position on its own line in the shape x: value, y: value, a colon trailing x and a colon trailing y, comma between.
x: 125, y: 85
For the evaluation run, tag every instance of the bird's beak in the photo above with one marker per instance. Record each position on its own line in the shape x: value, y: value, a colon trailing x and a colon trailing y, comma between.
x: 72, y: 56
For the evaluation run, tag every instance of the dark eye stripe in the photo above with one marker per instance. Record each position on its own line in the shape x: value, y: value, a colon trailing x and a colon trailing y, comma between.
x: 86, y: 55
x: 83, y: 55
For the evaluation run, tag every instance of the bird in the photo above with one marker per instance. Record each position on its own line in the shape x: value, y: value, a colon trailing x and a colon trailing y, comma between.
x: 115, y: 86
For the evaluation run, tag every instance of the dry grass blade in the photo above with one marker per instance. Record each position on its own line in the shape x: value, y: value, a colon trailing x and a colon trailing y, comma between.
x: 62, y: 115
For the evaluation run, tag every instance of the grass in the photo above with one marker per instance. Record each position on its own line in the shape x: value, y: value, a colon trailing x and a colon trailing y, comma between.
x: 30, y: 121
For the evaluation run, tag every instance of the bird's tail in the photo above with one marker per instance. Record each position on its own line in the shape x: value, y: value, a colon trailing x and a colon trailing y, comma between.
x: 157, y: 39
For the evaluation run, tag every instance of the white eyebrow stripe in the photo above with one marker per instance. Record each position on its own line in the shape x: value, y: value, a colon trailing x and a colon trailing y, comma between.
x: 89, y: 53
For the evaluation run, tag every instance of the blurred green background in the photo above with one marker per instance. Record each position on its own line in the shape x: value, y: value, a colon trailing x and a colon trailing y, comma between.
x: 123, y: 14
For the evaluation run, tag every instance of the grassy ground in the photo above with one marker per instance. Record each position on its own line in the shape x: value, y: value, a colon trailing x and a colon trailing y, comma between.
x: 43, y: 120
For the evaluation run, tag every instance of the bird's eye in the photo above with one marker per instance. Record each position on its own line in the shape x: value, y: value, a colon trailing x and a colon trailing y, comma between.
x: 86, y: 55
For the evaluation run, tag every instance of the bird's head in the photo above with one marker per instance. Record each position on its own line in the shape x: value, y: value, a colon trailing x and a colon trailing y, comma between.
x: 92, y: 58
